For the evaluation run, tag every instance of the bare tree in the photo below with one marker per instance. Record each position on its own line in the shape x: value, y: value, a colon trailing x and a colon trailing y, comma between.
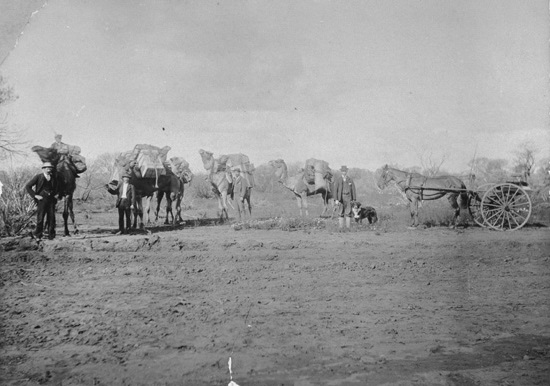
x: 431, y: 164
x: 10, y: 139
x: 91, y: 184
x: 488, y: 170
x: 524, y: 160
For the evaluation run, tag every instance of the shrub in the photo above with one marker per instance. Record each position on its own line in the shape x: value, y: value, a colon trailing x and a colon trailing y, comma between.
x: 17, y: 208
x: 201, y: 187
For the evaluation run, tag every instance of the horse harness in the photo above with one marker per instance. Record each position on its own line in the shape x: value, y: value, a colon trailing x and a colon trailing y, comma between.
x: 419, y: 187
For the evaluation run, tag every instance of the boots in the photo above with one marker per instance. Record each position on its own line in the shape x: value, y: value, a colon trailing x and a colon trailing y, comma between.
x: 348, y: 223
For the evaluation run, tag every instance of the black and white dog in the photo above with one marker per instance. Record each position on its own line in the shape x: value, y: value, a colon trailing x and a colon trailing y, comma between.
x: 360, y: 213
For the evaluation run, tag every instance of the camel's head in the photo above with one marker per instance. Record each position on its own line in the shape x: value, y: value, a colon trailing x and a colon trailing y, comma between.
x: 187, y: 175
x: 279, y: 166
x: 207, y: 159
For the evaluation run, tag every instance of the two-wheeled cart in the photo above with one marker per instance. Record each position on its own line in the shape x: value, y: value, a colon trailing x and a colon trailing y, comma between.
x: 502, y: 206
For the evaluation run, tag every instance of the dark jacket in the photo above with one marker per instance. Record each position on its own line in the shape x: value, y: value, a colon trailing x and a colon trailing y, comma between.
x: 339, y: 188
x: 130, y: 193
x: 39, y: 183
x: 240, y: 185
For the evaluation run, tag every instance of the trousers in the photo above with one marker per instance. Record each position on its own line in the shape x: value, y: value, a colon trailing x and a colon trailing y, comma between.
x: 45, y: 211
x: 345, y: 206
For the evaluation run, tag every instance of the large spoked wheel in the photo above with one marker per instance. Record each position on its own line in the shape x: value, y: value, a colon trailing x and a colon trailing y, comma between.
x: 474, y: 204
x: 506, y: 207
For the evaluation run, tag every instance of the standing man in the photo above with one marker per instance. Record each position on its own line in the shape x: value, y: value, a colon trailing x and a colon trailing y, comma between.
x: 58, y: 144
x: 126, y: 194
x: 43, y: 188
x: 240, y: 189
x: 344, y: 195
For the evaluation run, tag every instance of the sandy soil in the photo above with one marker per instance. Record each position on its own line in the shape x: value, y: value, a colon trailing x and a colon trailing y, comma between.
x: 305, y: 307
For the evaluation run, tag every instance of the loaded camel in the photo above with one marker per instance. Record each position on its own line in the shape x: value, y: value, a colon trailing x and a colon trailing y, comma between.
x: 145, y: 187
x: 172, y: 185
x: 221, y: 178
x: 66, y: 175
x: 302, y: 188
x: 168, y: 185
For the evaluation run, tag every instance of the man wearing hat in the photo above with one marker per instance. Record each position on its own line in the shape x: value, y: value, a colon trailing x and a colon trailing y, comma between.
x: 125, y: 193
x: 240, y: 189
x: 344, y: 195
x: 43, y: 188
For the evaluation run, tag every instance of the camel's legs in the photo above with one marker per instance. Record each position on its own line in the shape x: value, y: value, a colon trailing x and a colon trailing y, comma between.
x: 65, y: 216
x: 160, y: 195
x: 146, y: 210
x: 324, y: 195
x: 169, y: 209
x: 179, y: 199
x: 303, y: 203
x: 142, y: 206
x: 138, y: 211
x: 68, y: 211
x: 222, y: 206
x: 299, y: 202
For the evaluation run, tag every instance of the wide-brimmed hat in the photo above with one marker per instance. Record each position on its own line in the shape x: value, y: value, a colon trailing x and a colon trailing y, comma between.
x: 47, y: 165
x: 344, y: 168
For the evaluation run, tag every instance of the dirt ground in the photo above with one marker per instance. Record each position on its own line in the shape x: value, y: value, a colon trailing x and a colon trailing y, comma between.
x: 290, y: 307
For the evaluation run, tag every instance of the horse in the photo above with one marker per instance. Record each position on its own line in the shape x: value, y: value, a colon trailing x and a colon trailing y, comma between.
x: 417, y: 187
x: 66, y: 175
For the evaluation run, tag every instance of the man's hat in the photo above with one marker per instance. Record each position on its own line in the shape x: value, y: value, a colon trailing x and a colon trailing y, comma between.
x: 344, y: 168
x: 47, y: 165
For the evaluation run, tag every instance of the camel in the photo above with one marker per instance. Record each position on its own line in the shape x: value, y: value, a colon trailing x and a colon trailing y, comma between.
x: 168, y: 185
x: 220, y: 178
x: 173, y: 187
x: 299, y: 185
x: 153, y: 181
x: 66, y: 175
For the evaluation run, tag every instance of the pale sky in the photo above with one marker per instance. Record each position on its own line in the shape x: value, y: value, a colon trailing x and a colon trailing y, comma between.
x: 361, y: 83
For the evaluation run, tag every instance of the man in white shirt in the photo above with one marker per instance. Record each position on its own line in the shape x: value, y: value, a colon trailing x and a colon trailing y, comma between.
x: 125, y: 202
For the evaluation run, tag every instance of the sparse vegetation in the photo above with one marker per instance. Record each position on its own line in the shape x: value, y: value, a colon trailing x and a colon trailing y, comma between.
x: 16, y: 207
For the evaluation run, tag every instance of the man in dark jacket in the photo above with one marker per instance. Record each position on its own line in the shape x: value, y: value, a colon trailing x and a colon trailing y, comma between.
x: 126, y: 194
x: 43, y: 188
x: 344, y: 195
x: 240, y: 190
